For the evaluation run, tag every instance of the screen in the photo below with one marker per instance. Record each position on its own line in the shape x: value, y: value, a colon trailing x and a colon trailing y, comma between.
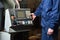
x: 21, y: 14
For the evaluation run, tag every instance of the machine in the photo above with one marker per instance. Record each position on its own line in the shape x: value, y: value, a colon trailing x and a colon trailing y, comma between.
x: 17, y: 29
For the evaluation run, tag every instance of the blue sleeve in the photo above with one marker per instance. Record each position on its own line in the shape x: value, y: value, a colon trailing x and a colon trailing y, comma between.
x: 54, y: 15
x: 38, y: 10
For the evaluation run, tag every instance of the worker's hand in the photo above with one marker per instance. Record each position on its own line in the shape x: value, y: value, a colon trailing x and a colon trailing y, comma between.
x: 18, y: 7
x: 12, y: 17
x: 50, y: 31
x: 33, y: 16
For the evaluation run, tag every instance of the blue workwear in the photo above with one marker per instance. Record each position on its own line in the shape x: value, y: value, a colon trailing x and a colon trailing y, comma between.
x: 48, y: 10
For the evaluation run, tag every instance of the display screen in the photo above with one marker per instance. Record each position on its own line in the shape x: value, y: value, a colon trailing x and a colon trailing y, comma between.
x: 21, y: 14
x: 24, y: 13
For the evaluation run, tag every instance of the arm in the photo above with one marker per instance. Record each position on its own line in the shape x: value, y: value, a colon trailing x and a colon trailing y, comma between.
x: 38, y: 11
x: 53, y: 17
x: 18, y: 5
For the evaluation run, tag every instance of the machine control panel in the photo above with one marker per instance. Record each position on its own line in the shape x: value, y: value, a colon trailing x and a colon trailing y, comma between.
x: 25, y: 22
x: 23, y: 19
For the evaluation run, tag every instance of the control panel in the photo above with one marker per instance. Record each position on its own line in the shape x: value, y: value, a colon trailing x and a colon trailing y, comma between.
x: 22, y: 19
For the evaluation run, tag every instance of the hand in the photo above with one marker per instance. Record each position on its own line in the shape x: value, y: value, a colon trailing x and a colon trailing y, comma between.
x: 18, y: 7
x: 12, y: 17
x: 50, y: 31
x: 33, y: 16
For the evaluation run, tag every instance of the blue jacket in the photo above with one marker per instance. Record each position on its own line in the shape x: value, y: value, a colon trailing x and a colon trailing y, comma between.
x: 48, y: 10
